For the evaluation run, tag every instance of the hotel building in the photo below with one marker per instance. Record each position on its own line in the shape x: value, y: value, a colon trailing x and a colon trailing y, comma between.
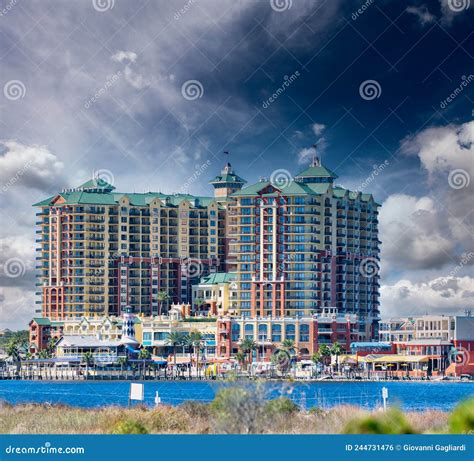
x: 100, y: 250
x: 305, y: 245
x: 284, y: 252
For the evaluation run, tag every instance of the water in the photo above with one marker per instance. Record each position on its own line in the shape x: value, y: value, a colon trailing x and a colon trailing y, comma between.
x: 408, y: 395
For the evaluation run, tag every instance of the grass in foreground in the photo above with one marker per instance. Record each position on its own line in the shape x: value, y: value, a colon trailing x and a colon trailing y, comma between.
x: 234, y: 411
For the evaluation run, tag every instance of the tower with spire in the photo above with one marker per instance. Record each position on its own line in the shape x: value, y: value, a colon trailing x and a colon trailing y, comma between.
x: 226, y: 183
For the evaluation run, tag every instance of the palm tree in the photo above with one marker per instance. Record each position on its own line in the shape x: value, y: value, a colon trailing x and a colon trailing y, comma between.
x: 144, y: 354
x: 122, y: 361
x: 337, y: 350
x: 288, y: 345
x: 162, y: 297
x: 247, y: 346
x: 198, y: 302
x: 188, y: 342
x: 240, y: 357
x: 174, y: 339
x: 88, y: 359
x: 51, y: 345
x: 195, y: 338
x: 324, y: 352
x: 44, y: 354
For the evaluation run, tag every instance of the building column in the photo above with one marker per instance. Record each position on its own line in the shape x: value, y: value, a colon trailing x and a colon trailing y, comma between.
x: 274, y: 299
x: 253, y: 299
x: 282, y: 299
x: 261, y: 299
x: 213, y: 308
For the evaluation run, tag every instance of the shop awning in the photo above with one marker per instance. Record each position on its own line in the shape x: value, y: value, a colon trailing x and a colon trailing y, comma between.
x: 399, y: 359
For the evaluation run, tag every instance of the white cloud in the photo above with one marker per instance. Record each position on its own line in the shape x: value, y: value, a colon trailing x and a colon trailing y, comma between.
x: 122, y: 56
x: 318, y: 128
x: 305, y: 155
x: 439, y: 295
x: 33, y: 167
x: 442, y: 149
x: 422, y: 13
x: 413, y: 236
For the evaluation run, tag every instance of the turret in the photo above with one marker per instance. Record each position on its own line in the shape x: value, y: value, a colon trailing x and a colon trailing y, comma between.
x: 226, y: 183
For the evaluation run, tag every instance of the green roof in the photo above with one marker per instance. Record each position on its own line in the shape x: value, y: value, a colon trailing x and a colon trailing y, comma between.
x: 42, y: 321
x: 232, y: 178
x: 317, y: 171
x: 136, y: 199
x: 96, y: 183
x: 218, y: 277
x: 293, y: 188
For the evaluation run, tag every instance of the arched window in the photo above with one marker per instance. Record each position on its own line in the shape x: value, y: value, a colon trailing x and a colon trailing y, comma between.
x: 276, y: 333
x: 290, y: 332
x: 235, y: 332
x: 304, y: 332
x: 249, y: 332
x: 262, y: 332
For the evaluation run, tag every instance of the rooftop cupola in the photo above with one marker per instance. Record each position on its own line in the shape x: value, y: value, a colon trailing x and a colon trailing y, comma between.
x: 226, y: 183
x: 316, y: 173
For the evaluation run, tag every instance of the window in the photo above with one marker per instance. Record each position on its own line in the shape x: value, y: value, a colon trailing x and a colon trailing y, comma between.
x: 235, y: 332
x: 160, y: 336
x: 262, y: 332
x: 304, y: 332
x: 276, y: 333
x: 249, y: 331
x: 290, y: 332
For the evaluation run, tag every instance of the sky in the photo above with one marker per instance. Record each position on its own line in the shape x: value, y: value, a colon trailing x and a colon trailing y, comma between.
x: 151, y: 93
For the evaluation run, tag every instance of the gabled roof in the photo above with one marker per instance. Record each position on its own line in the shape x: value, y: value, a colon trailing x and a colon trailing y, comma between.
x: 232, y: 178
x: 218, y: 277
x: 253, y: 189
x: 96, y: 184
x: 317, y: 171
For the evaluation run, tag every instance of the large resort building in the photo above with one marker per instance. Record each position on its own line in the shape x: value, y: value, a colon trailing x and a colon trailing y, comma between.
x: 289, y: 256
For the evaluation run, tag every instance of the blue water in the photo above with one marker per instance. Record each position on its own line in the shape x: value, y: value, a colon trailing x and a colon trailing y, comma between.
x: 408, y: 395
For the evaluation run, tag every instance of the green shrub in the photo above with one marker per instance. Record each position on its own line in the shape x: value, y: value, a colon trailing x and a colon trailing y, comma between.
x: 129, y: 426
x: 281, y: 406
x: 391, y: 421
x: 461, y: 420
x: 240, y: 410
x: 169, y: 419
x: 196, y: 409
